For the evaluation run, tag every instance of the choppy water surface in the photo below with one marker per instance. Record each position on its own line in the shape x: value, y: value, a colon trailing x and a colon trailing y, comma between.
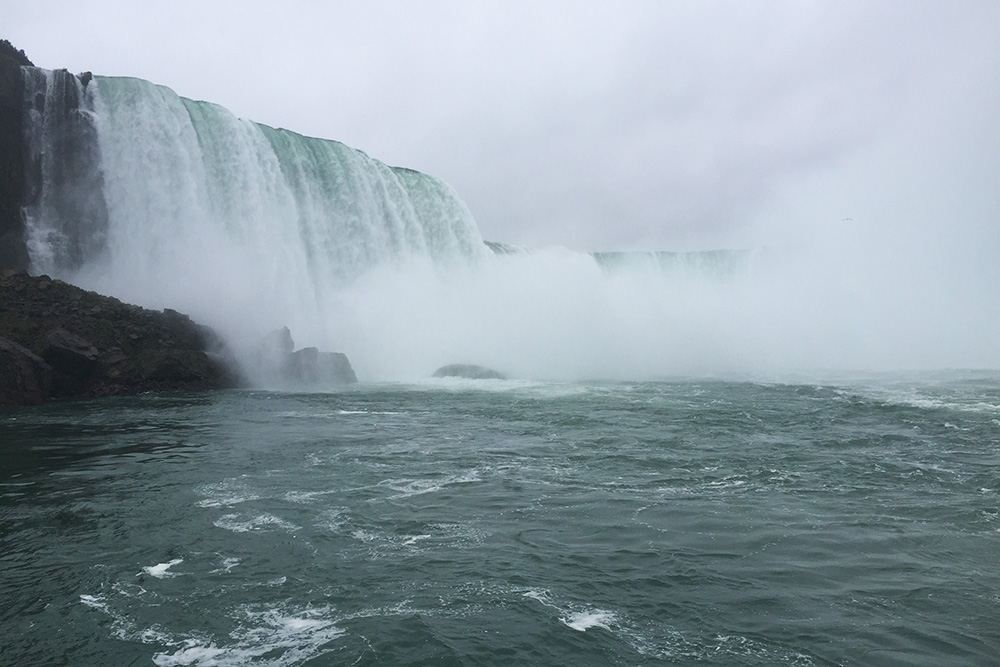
x: 501, y: 523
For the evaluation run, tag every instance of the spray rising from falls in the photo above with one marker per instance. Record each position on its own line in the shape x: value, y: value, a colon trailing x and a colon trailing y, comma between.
x: 167, y: 202
x: 162, y: 200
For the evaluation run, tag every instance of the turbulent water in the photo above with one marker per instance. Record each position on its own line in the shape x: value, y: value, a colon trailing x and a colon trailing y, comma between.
x: 505, y: 523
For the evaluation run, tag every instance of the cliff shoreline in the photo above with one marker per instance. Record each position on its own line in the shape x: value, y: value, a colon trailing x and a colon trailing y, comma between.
x: 61, y: 341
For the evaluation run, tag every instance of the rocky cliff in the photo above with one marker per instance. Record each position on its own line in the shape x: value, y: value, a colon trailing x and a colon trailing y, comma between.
x: 60, y: 341
x: 13, y: 253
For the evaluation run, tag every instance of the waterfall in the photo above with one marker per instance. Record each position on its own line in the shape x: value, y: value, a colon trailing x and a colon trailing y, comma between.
x: 167, y: 202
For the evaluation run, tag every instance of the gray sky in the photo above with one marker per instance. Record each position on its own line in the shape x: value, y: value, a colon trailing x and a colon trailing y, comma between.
x: 604, y: 125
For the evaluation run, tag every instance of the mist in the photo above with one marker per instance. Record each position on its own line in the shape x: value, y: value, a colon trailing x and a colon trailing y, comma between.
x: 851, y: 151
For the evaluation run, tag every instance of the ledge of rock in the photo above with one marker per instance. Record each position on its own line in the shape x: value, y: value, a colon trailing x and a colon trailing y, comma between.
x: 60, y: 341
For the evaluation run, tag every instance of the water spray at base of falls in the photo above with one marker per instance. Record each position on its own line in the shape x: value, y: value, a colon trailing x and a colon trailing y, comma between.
x: 167, y: 202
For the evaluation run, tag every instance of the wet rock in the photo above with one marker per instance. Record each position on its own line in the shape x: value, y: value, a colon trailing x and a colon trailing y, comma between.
x: 309, y: 366
x: 69, y: 354
x: 469, y: 371
x: 25, y: 378
x: 172, y: 365
x: 276, y: 363
x: 97, y: 346
x: 278, y: 342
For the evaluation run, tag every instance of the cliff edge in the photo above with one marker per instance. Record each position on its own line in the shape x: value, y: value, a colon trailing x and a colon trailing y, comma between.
x: 13, y: 252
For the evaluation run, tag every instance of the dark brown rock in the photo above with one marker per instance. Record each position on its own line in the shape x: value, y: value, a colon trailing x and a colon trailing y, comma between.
x: 98, y: 346
x: 173, y: 365
x: 69, y: 354
x: 25, y: 379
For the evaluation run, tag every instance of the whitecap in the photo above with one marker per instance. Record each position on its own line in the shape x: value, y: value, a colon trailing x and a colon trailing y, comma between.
x: 538, y: 595
x: 162, y: 570
x: 226, y: 493
x: 411, y: 487
x: 94, y: 602
x: 227, y: 565
x: 584, y: 620
x: 191, y: 654
x: 272, y: 636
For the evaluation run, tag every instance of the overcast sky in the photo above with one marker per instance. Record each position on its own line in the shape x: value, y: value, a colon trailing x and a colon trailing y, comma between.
x: 602, y: 125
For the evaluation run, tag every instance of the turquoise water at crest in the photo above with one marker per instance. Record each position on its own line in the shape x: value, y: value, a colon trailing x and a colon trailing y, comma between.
x: 506, y: 523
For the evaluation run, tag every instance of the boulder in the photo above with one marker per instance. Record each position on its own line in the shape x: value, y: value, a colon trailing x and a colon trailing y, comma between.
x: 469, y: 371
x: 173, y: 365
x: 69, y: 354
x: 309, y: 366
x: 25, y: 378
x: 278, y: 342
x: 276, y: 362
x: 115, y: 364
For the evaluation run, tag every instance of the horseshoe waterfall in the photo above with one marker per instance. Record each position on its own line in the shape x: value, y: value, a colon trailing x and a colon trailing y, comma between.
x: 644, y: 458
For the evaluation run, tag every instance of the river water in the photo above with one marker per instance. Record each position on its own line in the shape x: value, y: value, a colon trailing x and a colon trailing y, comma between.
x: 453, y: 522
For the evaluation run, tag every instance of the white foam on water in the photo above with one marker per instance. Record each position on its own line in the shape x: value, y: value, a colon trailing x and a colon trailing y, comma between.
x: 584, y: 620
x: 913, y: 397
x: 227, y: 565
x: 407, y: 488
x: 95, y: 602
x: 333, y: 519
x: 410, y: 487
x: 539, y: 595
x: 305, y: 497
x: 162, y: 570
x: 192, y: 654
x: 579, y: 620
x: 270, y: 635
x: 261, y: 522
x: 227, y: 501
x: 226, y: 494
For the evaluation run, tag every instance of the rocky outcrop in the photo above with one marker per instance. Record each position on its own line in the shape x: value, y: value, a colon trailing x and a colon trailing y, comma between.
x: 13, y: 251
x: 469, y: 371
x: 279, y: 362
x: 61, y: 341
x: 309, y: 366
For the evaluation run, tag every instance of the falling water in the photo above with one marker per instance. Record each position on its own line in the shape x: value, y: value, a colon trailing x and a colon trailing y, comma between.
x: 169, y: 202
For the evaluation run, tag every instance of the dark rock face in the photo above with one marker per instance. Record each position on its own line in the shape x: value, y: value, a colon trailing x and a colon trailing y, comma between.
x: 69, y: 354
x: 92, y: 345
x: 25, y: 379
x: 469, y: 371
x: 64, y: 188
x: 13, y: 251
x: 48, y: 160
x: 308, y: 367
x: 278, y: 343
